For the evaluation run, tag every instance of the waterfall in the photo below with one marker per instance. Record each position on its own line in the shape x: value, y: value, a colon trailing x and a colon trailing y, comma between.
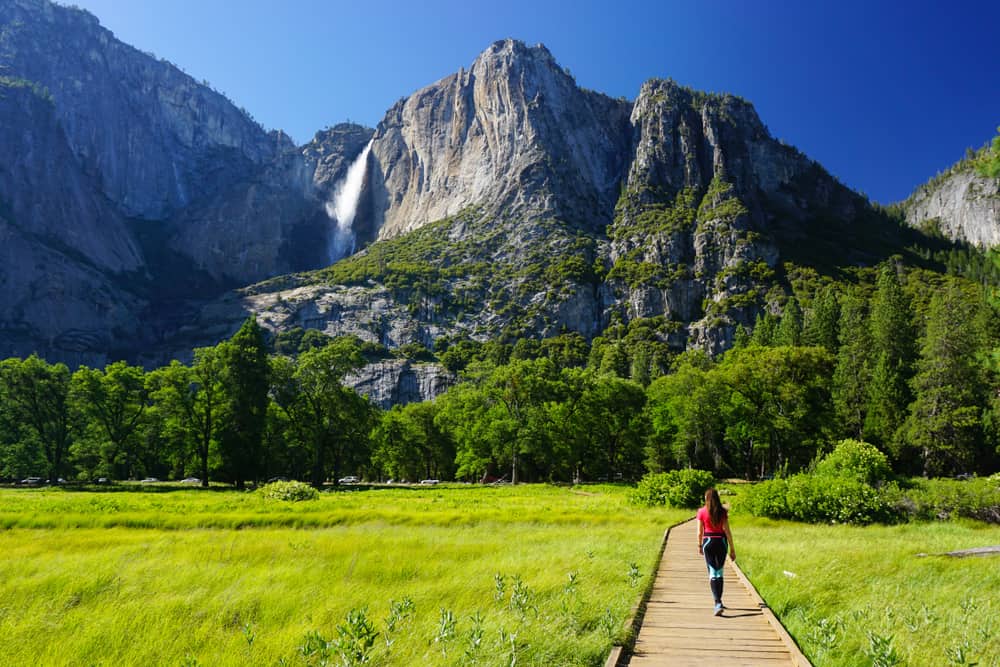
x: 344, y: 205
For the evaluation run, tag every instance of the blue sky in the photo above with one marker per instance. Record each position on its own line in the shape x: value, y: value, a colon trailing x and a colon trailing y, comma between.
x: 883, y: 94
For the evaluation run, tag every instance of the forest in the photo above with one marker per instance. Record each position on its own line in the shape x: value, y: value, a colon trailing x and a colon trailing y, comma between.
x: 903, y: 358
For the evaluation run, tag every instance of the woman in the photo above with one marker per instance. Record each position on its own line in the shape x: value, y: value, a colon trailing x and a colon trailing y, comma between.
x: 714, y: 539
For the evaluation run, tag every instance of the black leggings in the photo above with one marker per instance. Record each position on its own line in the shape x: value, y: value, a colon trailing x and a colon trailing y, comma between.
x: 715, y: 550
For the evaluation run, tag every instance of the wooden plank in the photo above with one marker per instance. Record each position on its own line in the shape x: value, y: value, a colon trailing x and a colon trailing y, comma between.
x: 678, y: 624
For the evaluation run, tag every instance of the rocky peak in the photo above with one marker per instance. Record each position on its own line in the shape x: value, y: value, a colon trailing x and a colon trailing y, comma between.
x: 512, y: 133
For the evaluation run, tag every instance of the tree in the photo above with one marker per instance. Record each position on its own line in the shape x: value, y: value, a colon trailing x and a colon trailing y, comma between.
x: 893, y: 352
x: 778, y: 411
x: 852, y: 374
x: 612, y: 409
x: 764, y: 330
x: 311, y: 392
x: 821, y: 324
x: 944, y: 423
x: 191, y: 400
x: 245, y: 377
x: 989, y: 167
x: 684, y: 410
x: 37, y: 395
x: 115, y: 400
x: 789, y: 332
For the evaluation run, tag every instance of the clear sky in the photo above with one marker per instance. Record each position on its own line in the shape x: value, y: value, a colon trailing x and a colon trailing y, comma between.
x: 883, y: 94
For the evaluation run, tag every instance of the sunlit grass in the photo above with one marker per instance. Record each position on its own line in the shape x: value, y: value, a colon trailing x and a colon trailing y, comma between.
x: 169, y: 578
x: 842, y: 591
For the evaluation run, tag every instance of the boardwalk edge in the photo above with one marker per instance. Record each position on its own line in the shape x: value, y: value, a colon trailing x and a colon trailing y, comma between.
x: 618, y: 657
x: 797, y: 656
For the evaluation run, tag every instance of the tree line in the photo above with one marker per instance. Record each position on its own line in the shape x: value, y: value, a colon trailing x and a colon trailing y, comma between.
x: 915, y: 372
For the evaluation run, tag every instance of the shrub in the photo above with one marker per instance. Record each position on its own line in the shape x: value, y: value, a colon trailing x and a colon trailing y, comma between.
x: 677, y: 488
x: 290, y: 491
x: 942, y: 499
x: 855, y: 459
x: 821, y: 499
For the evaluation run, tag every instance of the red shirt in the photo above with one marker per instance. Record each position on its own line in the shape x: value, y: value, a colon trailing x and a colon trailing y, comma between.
x: 706, y: 521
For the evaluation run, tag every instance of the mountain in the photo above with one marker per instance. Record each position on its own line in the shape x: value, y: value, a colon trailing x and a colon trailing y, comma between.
x: 961, y: 204
x: 503, y: 201
x: 129, y: 191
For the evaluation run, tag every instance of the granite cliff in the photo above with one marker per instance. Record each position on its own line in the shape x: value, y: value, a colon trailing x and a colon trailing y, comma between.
x: 139, y: 190
x: 960, y: 204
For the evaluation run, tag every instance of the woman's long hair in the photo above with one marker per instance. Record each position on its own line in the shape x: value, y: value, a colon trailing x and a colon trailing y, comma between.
x: 716, y: 512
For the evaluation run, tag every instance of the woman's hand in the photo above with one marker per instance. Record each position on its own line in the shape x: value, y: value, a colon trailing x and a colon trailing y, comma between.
x: 732, y: 555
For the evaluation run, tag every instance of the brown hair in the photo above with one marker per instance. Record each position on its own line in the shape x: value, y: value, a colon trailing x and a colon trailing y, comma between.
x: 716, y: 512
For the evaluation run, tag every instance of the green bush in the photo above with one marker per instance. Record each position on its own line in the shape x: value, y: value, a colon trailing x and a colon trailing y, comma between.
x: 857, y: 460
x: 822, y: 499
x: 677, y: 488
x: 942, y: 499
x: 290, y: 491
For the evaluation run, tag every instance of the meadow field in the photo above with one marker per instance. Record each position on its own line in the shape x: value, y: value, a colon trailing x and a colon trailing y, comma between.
x: 526, y: 575
x: 854, y: 595
x: 530, y: 575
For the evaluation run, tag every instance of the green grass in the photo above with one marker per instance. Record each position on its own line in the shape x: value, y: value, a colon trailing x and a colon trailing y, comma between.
x: 846, y: 582
x: 176, y: 578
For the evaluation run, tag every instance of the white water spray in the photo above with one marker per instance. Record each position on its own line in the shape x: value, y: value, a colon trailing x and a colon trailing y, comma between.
x: 344, y: 206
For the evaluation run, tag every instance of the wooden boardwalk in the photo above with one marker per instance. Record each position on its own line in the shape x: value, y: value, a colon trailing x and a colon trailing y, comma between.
x: 679, y: 628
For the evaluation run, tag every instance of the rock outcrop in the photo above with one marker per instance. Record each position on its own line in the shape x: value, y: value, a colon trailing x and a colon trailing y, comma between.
x: 513, y: 134
x: 962, y: 205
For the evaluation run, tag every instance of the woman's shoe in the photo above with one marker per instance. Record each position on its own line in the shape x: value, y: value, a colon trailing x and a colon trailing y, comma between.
x: 718, y: 609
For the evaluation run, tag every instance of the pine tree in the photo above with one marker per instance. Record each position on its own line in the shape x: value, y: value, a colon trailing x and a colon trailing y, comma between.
x: 247, y: 383
x: 764, y: 330
x: 945, y: 419
x: 740, y: 337
x: 893, y: 352
x: 852, y: 374
x: 821, y: 323
x: 790, y: 327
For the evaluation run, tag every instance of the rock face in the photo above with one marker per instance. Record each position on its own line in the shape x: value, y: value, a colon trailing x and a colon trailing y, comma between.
x: 61, y: 253
x: 963, y: 206
x: 513, y: 134
x: 399, y: 381
x: 151, y: 188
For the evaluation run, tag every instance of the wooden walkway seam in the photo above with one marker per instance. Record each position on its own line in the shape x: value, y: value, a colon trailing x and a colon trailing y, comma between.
x: 674, y: 623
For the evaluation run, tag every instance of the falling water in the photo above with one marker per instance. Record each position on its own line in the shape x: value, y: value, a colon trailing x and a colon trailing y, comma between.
x: 344, y: 205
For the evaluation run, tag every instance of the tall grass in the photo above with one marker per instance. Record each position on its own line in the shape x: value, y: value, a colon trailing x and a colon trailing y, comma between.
x: 865, y: 595
x: 537, y: 575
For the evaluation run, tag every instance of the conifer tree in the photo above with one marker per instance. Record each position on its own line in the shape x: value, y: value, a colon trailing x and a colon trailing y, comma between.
x: 945, y: 421
x: 821, y: 322
x: 893, y: 352
x: 853, y: 371
x: 764, y: 330
x: 247, y: 383
x: 790, y: 327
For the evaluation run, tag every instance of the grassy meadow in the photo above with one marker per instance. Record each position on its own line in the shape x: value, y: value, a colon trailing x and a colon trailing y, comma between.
x: 865, y: 596
x: 530, y: 575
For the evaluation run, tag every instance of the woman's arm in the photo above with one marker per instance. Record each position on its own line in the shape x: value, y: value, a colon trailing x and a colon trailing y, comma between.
x: 701, y: 534
x: 729, y: 538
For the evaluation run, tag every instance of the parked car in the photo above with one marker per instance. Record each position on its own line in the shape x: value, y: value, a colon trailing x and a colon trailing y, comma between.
x: 102, y: 480
x: 190, y: 480
x: 429, y: 481
x: 350, y: 479
x: 149, y: 480
x: 277, y: 479
x: 32, y: 481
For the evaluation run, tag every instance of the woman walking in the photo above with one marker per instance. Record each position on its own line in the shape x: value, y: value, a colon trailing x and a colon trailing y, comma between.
x: 714, y: 539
